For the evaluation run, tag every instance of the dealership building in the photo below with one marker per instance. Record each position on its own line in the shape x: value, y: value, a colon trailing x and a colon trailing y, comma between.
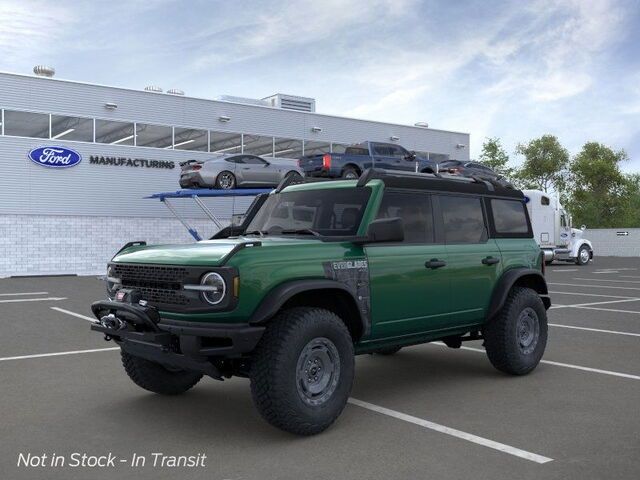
x: 127, y: 144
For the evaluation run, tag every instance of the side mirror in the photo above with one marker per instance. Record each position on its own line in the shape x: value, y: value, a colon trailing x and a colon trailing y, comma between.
x: 583, y: 227
x: 385, y: 230
x: 410, y: 156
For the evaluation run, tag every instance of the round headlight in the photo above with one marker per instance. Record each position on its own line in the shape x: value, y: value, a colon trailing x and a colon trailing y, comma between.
x: 215, y: 288
x: 112, y: 282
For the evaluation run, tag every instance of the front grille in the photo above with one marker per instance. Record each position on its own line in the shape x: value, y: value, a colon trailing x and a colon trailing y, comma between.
x: 159, y: 285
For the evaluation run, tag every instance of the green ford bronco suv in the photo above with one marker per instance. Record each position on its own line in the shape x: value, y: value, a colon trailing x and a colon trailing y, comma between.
x: 321, y: 271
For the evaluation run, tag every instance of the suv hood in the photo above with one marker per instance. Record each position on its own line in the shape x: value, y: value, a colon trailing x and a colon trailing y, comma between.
x: 204, y: 253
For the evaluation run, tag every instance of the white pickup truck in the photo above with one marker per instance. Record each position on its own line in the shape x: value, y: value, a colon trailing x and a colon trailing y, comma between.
x: 552, y: 230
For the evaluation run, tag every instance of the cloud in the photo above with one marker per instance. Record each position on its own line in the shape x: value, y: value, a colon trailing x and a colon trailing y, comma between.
x: 30, y: 28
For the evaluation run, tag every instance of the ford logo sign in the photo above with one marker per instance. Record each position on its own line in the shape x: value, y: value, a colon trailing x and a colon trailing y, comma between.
x: 55, y: 157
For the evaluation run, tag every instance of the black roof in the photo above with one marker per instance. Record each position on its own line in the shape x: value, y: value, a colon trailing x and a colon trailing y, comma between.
x: 442, y: 183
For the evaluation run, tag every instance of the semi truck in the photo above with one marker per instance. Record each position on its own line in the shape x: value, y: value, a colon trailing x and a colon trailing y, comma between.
x: 553, y: 231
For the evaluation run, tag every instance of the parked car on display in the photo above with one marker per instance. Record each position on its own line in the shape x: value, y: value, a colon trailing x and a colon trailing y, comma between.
x: 553, y: 231
x: 240, y: 170
x: 357, y: 158
x: 320, y: 271
x: 467, y: 169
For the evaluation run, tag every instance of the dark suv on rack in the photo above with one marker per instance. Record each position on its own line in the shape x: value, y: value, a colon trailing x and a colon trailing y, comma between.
x: 322, y: 271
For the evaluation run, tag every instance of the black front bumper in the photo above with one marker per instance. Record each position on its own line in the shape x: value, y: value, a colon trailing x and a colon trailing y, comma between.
x: 186, y: 345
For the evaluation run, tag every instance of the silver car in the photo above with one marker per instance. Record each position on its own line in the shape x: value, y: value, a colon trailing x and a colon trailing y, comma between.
x: 240, y: 170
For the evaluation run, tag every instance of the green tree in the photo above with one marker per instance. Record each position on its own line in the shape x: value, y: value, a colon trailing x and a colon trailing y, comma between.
x: 602, y: 196
x: 495, y: 157
x: 545, y: 164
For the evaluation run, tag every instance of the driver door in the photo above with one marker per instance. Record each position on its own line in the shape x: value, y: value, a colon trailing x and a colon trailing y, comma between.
x: 255, y: 170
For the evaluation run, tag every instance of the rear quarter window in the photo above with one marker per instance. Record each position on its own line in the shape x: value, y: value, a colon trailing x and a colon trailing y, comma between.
x: 509, y: 217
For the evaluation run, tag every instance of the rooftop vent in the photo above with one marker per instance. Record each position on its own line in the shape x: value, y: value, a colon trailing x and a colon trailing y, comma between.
x: 244, y: 100
x: 175, y: 91
x: 292, y: 102
x: 44, y: 71
x: 153, y: 88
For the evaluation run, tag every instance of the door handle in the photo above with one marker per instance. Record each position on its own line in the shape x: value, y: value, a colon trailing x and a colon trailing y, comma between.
x: 490, y: 260
x: 435, y: 263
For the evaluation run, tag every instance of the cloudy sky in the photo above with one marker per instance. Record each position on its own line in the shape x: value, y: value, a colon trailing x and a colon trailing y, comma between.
x: 510, y: 69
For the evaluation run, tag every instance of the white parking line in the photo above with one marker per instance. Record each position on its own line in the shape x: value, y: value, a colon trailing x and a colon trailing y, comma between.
x: 629, y: 276
x: 23, y: 293
x: 594, y: 330
x: 48, y: 299
x: 73, y: 314
x: 56, y: 354
x: 610, y: 310
x: 594, y: 286
x: 533, y: 457
x: 606, y: 280
x: 578, y: 305
x: 559, y: 364
x: 561, y: 270
x: 589, y: 294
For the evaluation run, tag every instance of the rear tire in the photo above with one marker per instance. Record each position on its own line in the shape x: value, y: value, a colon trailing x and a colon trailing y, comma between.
x: 584, y: 255
x: 350, y: 173
x: 302, y: 370
x: 516, y: 338
x: 156, y: 378
x: 225, y: 180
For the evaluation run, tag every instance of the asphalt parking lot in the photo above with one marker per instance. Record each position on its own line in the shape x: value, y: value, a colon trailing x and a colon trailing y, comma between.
x: 427, y: 412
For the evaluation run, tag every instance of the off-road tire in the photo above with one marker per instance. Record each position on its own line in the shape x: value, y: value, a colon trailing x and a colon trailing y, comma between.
x: 388, y: 351
x: 502, y: 333
x: 222, y: 175
x: 579, y: 260
x: 275, y: 386
x: 350, y: 173
x: 156, y: 378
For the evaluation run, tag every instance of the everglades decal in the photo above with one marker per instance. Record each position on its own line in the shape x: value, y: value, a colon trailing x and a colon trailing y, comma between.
x: 355, y: 275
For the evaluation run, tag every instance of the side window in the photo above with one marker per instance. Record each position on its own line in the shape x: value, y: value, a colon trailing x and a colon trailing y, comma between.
x: 381, y: 150
x: 415, y: 212
x: 463, y: 219
x: 253, y: 160
x: 509, y: 216
x: 234, y: 160
x: 398, y: 152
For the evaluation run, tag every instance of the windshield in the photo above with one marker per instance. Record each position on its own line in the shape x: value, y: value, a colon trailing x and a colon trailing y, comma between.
x: 326, y: 212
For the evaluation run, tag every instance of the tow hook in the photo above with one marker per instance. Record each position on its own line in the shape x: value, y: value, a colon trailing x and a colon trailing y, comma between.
x: 112, y: 323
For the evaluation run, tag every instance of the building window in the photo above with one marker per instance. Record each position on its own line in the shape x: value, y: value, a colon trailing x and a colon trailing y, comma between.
x: 26, y: 124
x: 257, y: 145
x: 338, y: 147
x: 287, y: 148
x: 157, y: 136
x: 71, y: 128
x: 114, y: 133
x: 190, y: 139
x: 316, y: 148
x: 227, y: 143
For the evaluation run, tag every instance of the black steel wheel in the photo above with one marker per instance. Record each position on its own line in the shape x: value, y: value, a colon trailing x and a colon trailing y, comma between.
x: 516, y: 338
x: 302, y: 370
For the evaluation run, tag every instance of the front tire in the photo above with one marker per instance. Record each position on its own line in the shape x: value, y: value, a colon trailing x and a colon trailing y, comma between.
x: 225, y: 180
x: 584, y: 255
x: 302, y: 370
x: 516, y: 338
x: 156, y: 378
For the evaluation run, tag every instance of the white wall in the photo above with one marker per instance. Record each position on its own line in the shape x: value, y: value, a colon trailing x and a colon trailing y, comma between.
x: 607, y: 242
x: 57, y: 244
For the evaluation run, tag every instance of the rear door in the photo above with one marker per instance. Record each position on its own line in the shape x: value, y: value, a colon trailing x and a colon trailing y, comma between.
x: 475, y: 262
x: 408, y: 296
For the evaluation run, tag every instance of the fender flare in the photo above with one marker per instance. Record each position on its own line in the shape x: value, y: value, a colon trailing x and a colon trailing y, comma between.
x: 279, y: 295
x: 534, y: 279
x: 580, y: 243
